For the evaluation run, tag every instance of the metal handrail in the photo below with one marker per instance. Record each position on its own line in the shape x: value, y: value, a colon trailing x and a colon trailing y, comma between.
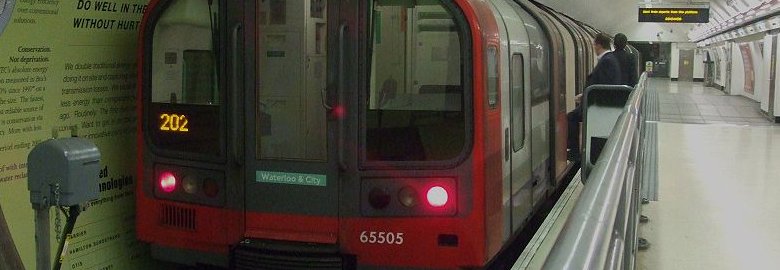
x: 600, y: 232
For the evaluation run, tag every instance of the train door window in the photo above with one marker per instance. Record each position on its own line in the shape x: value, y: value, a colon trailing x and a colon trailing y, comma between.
x: 540, y: 72
x: 517, y: 99
x: 291, y: 67
x: 492, y: 76
x: 184, y: 94
x: 415, y: 100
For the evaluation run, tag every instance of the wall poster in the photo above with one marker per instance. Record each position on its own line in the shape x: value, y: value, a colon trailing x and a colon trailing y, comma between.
x: 68, y: 68
x: 747, y: 60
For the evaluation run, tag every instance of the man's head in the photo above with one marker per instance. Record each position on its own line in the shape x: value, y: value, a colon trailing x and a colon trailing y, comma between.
x: 620, y: 41
x: 601, y: 43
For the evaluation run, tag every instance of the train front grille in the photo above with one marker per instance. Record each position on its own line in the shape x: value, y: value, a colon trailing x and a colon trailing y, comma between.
x: 178, y: 217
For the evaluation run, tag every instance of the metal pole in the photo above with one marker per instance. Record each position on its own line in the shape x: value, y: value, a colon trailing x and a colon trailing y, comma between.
x: 73, y: 213
x: 42, y: 237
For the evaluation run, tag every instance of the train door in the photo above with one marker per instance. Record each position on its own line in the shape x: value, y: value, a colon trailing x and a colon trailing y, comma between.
x: 518, y: 190
x: 538, y: 59
x: 569, y: 49
x: 686, y: 65
x: 521, y: 186
x: 581, y: 58
x: 291, y: 170
x: 557, y: 89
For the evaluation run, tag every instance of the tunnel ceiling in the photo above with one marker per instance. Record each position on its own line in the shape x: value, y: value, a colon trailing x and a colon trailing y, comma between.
x: 726, y: 14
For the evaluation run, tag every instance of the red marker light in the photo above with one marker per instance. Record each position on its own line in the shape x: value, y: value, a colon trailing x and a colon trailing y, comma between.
x: 167, y: 182
x: 339, y: 111
x: 210, y: 187
x: 437, y: 196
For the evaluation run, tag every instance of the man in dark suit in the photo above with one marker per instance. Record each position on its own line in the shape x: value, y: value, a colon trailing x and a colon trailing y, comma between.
x: 607, y: 71
x: 626, y: 60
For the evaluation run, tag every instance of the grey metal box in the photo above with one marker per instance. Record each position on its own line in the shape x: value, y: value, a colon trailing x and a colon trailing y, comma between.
x: 73, y: 163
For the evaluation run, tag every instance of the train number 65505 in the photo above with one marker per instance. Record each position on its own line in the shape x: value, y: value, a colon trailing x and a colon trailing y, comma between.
x: 389, y: 238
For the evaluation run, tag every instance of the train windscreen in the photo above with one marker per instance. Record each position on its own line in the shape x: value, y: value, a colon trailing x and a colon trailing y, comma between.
x: 184, y: 112
x: 415, y: 107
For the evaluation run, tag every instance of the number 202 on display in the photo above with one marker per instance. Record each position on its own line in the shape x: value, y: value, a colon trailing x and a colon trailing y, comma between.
x: 174, y: 122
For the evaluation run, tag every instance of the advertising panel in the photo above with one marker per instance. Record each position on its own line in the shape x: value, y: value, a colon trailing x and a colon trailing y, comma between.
x: 747, y: 60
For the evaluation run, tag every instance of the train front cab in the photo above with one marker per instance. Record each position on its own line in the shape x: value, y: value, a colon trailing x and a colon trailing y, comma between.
x: 428, y: 115
x: 321, y: 133
x: 189, y: 203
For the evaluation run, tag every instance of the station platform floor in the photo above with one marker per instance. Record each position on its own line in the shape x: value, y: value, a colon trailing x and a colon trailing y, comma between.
x: 717, y: 203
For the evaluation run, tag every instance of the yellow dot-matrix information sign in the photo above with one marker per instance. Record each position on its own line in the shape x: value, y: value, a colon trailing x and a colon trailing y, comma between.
x: 674, y: 15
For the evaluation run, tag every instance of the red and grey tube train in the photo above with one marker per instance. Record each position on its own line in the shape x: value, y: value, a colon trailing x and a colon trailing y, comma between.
x: 350, y: 134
